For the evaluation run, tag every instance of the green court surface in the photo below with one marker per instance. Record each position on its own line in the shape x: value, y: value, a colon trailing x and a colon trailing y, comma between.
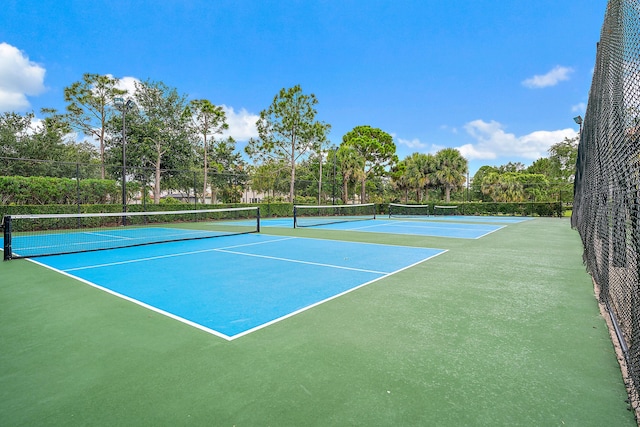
x: 503, y: 330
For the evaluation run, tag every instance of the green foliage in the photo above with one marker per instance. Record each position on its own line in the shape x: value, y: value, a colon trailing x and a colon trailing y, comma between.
x: 288, y: 131
x: 207, y: 121
x: 372, y: 149
x: 37, y: 190
x: 352, y: 167
x: 415, y: 173
x: 89, y: 102
x: 563, y: 156
x: 158, y: 134
x: 170, y: 201
x: 450, y: 170
x: 48, y: 143
x: 519, y: 209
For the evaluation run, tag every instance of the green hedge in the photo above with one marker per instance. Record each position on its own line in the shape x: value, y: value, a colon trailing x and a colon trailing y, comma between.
x: 38, y: 190
x: 266, y: 209
x: 518, y: 209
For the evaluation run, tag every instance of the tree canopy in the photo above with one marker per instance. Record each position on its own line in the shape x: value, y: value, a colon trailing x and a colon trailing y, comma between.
x: 88, y: 107
x: 288, y: 130
x: 375, y: 149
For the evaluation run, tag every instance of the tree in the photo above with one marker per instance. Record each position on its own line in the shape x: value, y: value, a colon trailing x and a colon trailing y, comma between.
x: 511, y: 167
x: 288, y: 131
x: 375, y: 147
x: 42, y: 148
x: 158, y: 135
x: 352, y: 165
x: 451, y: 168
x: 208, y: 120
x: 399, y: 179
x: 230, y: 171
x: 543, y: 166
x: 271, y: 176
x: 477, y: 182
x: 420, y: 171
x: 88, y: 108
x: 563, y: 156
x: 502, y: 187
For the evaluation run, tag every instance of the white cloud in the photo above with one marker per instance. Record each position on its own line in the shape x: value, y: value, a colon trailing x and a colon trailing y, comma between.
x: 126, y: 83
x: 242, y: 125
x: 552, y: 78
x: 580, y: 107
x: 413, y: 143
x: 470, y: 152
x: 19, y: 78
x: 494, y: 142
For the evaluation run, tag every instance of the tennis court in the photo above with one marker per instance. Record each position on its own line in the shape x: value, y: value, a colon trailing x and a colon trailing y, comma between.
x: 422, y: 227
x: 502, y: 330
x: 237, y: 284
x: 476, y: 218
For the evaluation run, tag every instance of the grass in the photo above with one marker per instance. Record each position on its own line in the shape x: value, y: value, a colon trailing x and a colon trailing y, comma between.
x: 504, y: 330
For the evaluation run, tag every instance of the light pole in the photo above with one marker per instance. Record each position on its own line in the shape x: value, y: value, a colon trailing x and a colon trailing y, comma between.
x: 321, y: 155
x: 578, y: 120
x: 333, y: 186
x: 124, y: 107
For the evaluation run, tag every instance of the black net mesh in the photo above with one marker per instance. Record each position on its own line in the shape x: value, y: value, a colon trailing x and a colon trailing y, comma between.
x: 50, y: 234
x: 607, y: 186
x: 313, y: 216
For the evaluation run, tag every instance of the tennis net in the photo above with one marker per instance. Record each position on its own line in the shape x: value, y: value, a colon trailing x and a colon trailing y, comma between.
x: 28, y: 236
x: 311, y: 216
x: 445, y: 210
x: 397, y: 210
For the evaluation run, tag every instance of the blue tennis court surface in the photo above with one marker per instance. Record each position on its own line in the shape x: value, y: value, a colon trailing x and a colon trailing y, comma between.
x: 419, y: 228
x: 233, y: 285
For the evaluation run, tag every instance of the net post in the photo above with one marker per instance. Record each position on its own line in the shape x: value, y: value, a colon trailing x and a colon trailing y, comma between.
x: 258, y: 218
x: 294, y: 216
x: 6, y: 224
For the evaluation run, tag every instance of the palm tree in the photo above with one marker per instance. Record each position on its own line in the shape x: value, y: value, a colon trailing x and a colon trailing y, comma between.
x: 451, y: 169
x: 420, y: 173
x: 399, y: 179
x: 351, y: 167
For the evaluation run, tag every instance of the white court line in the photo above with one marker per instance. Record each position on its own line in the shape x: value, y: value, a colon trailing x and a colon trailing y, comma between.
x: 168, y: 255
x: 486, y: 234
x: 461, y: 227
x: 105, y: 235
x: 434, y: 228
x: 138, y: 302
x: 304, y: 262
x: 213, y: 331
x: 420, y: 226
x: 271, y: 322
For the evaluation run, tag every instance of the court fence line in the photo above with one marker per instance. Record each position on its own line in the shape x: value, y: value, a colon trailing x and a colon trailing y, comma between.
x: 606, y: 208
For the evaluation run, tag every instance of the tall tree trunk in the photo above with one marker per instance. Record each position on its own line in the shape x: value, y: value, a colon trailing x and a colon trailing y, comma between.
x: 102, y: 152
x: 345, y: 190
x: 293, y: 172
x: 156, y: 184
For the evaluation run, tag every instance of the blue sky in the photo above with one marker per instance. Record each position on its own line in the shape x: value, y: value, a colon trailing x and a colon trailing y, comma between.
x: 499, y: 79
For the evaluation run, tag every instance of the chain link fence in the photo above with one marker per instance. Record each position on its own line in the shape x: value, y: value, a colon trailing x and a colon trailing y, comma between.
x: 606, y: 209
